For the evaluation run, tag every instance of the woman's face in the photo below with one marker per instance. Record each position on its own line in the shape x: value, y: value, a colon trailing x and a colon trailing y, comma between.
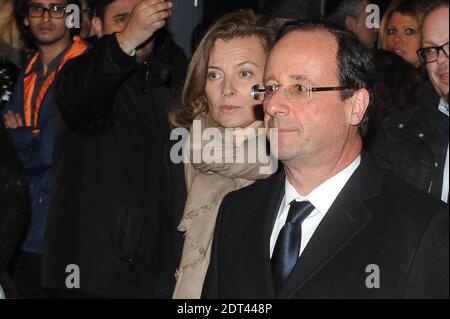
x: 234, y: 67
x: 403, y: 37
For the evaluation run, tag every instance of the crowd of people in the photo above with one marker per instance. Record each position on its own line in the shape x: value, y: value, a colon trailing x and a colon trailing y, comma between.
x: 143, y: 170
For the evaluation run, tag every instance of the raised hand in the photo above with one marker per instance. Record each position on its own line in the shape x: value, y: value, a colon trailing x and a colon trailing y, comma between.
x: 147, y: 17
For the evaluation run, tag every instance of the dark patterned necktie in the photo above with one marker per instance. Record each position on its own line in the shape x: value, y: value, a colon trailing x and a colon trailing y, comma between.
x: 287, y: 247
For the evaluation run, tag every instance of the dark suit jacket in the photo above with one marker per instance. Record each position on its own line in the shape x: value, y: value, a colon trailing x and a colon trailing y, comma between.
x: 375, y: 220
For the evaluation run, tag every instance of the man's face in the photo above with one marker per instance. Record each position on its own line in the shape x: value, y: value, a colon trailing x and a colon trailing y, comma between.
x: 435, y: 33
x: 308, y: 130
x: 46, y: 29
x: 85, y: 20
x: 364, y: 34
x: 116, y: 17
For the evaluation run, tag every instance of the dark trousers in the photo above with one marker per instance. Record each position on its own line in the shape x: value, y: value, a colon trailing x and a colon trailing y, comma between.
x: 26, y: 274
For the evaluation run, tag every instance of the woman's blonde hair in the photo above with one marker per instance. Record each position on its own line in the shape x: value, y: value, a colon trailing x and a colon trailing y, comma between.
x: 412, y: 8
x: 234, y: 25
x: 10, y: 34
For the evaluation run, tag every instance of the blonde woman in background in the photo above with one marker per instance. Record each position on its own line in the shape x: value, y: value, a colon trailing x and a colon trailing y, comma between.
x: 11, y: 47
x: 400, y: 29
x: 10, y: 40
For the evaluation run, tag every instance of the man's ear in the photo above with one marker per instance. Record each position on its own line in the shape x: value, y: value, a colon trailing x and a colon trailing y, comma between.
x: 97, y: 27
x: 26, y: 22
x: 350, y: 24
x: 358, y: 106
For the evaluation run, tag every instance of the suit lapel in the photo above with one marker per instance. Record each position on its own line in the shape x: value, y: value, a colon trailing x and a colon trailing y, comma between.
x: 345, y: 219
x: 258, y: 250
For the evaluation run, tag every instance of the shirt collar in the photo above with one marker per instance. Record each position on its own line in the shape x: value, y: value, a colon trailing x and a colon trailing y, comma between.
x: 323, y: 196
x: 37, y: 67
x: 443, y: 106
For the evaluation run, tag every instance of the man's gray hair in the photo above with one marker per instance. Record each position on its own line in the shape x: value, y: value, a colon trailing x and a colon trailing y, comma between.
x: 347, y: 8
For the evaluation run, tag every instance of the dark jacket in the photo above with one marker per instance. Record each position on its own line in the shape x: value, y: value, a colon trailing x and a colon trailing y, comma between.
x: 172, y: 238
x: 14, y: 204
x: 111, y: 126
x: 375, y: 220
x: 412, y: 145
x: 14, y: 195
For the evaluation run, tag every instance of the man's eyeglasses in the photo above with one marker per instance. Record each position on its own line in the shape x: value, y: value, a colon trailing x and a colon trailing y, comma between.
x: 295, y: 92
x: 55, y: 11
x: 431, y: 54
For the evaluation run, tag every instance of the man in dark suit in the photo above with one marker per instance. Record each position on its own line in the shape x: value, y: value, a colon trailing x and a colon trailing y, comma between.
x: 330, y: 224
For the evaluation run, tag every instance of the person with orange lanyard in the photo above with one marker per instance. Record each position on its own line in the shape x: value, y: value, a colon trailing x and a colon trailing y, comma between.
x: 29, y: 116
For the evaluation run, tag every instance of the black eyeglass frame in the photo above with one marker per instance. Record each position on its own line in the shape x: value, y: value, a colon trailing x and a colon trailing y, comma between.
x: 49, y: 10
x: 421, y: 53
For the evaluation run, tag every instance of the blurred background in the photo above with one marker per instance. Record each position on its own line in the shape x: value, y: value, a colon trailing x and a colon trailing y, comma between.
x: 191, y: 17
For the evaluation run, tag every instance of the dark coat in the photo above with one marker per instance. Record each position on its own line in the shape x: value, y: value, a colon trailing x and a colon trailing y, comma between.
x: 376, y: 219
x: 111, y: 126
x: 14, y: 204
x: 173, y: 239
x: 413, y: 146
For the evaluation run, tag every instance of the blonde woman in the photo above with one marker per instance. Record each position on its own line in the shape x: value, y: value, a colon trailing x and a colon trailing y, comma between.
x: 10, y: 48
x: 10, y: 41
x: 228, y: 62
x: 400, y: 29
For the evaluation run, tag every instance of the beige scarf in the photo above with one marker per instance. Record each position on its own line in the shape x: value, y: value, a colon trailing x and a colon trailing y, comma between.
x: 207, y: 184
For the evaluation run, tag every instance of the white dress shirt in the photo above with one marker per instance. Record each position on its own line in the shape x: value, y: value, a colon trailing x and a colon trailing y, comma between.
x: 322, y: 198
x: 443, y: 107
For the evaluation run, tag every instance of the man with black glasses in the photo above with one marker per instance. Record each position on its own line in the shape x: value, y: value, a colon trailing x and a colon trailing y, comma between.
x: 29, y: 118
x: 414, y: 144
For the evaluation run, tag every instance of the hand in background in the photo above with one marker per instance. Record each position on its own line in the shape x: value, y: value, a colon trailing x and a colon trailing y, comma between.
x: 146, y: 18
x: 13, y: 120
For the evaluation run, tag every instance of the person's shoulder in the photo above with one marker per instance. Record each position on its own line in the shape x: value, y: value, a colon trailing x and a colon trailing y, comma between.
x: 424, y: 108
x: 403, y: 118
x: 408, y: 123
x: 407, y: 202
x: 259, y: 189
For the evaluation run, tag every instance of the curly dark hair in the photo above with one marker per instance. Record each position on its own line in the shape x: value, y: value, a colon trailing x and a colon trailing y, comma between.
x: 396, y: 81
